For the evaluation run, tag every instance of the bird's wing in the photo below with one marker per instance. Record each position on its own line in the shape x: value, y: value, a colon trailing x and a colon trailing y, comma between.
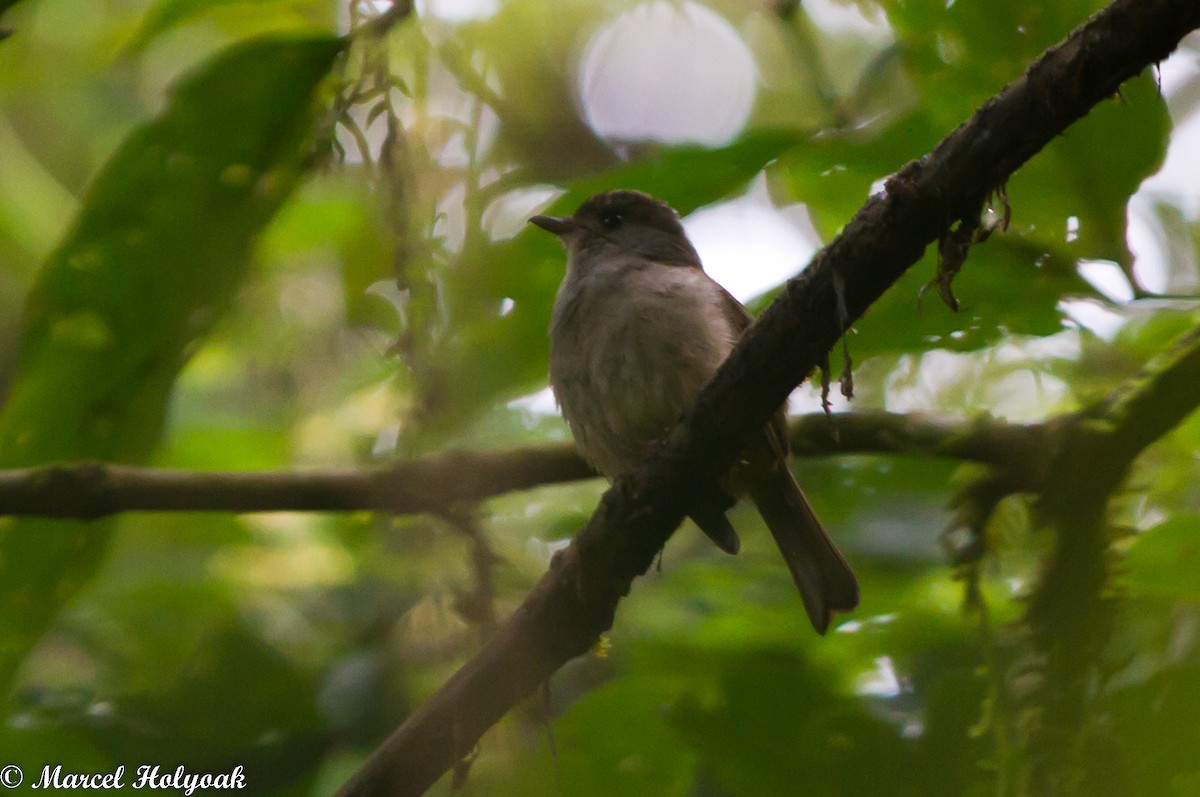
x: 740, y: 319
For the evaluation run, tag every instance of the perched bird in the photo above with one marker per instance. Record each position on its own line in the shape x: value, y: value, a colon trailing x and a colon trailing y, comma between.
x: 638, y: 328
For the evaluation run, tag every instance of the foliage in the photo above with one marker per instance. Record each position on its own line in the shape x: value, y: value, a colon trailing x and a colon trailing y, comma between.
x: 215, y: 276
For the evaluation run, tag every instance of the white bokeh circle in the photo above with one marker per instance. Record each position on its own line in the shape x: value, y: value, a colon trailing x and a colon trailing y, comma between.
x: 667, y: 71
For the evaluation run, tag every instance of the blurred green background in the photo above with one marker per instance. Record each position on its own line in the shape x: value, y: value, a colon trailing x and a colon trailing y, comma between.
x: 230, y: 240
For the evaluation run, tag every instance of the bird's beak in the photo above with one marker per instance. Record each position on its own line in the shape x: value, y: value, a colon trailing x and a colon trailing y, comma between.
x: 559, y: 225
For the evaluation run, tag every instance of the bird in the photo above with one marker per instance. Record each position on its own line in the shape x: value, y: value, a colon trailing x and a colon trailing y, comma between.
x: 637, y: 329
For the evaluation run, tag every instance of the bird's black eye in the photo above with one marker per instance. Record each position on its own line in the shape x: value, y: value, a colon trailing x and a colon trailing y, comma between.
x: 611, y: 219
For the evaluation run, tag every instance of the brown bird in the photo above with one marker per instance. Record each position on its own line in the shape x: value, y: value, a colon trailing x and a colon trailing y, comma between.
x: 638, y: 328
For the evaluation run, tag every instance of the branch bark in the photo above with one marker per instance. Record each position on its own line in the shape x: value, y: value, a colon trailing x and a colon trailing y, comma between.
x: 576, y: 600
x: 92, y: 490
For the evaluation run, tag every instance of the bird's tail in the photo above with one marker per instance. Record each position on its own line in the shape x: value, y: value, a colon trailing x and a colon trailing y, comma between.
x: 709, y: 515
x: 826, y: 583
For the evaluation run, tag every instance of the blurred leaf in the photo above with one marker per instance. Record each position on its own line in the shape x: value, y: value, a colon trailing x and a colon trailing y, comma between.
x: 1003, y: 290
x: 1009, y: 285
x: 26, y: 744
x: 834, y: 173
x: 963, y: 52
x: 903, y: 514
x: 168, y: 14
x: 949, y: 746
x: 259, y: 711
x: 616, y: 739
x: 763, y: 717
x: 1180, y: 237
x: 7, y: 4
x: 1154, y: 733
x: 1165, y: 560
x: 1071, y: 198
x: 232, y: 448
x: 658, y: 765
x: 162, y: 240
x: 1068, y: 203
x: 334, y: 217
x: 32, y: 216
x: 1152, y: 325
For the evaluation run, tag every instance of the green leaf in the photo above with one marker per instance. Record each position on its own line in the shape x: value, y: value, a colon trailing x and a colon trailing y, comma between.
x: 1165, y: 561
x: 767, y: 716
x: 164, y: 237
x: 259, y: 711
x: 615, y: 740
x: 1068, y: 203
x: 25, y: 745
x: 1005, y: 289
x: 833, y: 174
x: 1153, y: 727
x: 1013, y: 283
x: 7, y: 4
x: 960, y: 53
x: 1083, y: 180
x: 261, y: 15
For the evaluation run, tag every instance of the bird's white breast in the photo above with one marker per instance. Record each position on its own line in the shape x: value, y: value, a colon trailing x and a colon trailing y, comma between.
x: 643, y: 338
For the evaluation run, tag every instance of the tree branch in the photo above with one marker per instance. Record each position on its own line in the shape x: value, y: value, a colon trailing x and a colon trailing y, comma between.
x: 984, y: 440
x: 576, y: 600
x: 92, y: 490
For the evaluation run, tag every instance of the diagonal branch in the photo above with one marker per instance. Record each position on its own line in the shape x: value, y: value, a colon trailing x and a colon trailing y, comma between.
x: 576, y: 600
